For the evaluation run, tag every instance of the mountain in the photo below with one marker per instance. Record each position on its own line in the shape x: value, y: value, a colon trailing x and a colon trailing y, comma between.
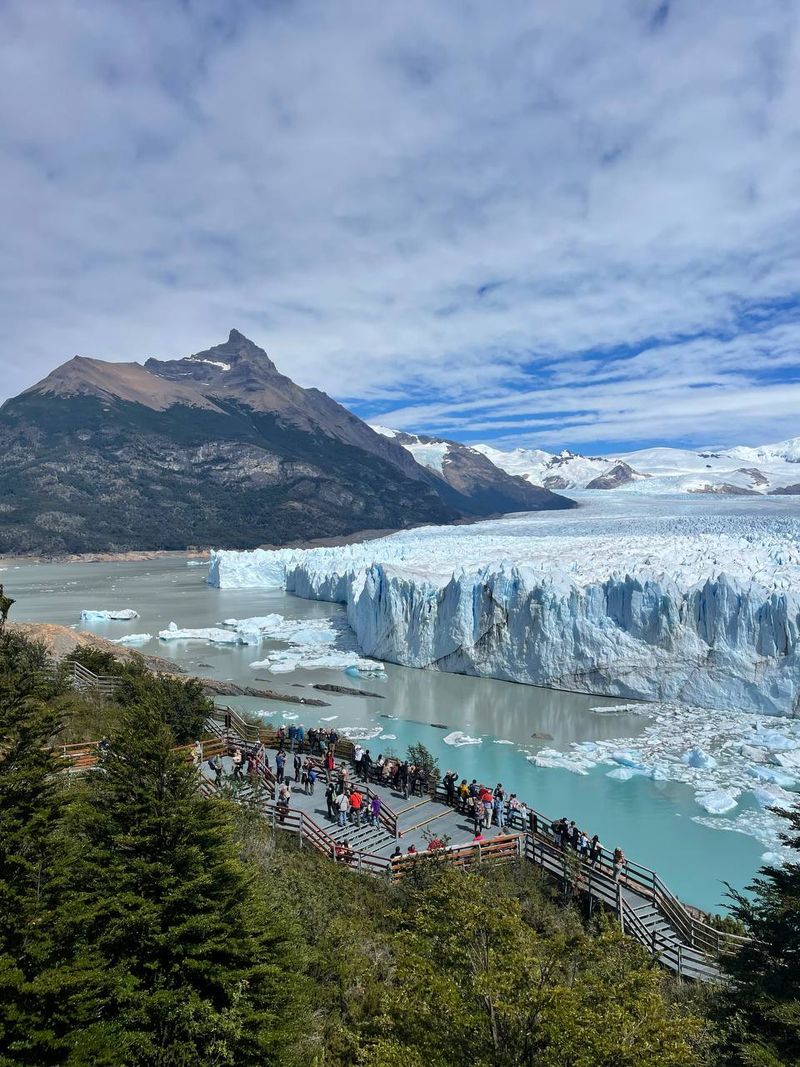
x: 218, y: 448
x: 470, y: 473
x: 741, y: 470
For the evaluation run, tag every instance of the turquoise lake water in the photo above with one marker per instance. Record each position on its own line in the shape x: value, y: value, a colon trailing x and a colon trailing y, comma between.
x: 650, y: 820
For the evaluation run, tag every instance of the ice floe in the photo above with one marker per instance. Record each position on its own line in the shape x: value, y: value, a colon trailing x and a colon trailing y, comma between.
x: 134, y: 639
x: 726, y: 758
x: 104, y: 615
x: 457, y: 739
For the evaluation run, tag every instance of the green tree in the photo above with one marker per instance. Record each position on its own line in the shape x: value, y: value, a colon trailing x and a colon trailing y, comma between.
x: 760, y: 1009
x: 475, y: 985
x: 180, y: 701
x: 183, y: 704
x: 191, y: 954
x: 422, y: 757
x: 35, y: 976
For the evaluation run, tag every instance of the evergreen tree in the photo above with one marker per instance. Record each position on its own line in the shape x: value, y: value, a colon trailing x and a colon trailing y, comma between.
x: 191, y: 955
x: 32, y: 853
x: 761, y: 1008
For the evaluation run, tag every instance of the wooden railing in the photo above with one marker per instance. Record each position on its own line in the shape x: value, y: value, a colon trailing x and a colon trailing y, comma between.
x: 693, y: 930
x: 690, y: 947
x: 505, y: 848
x: 84, y: 680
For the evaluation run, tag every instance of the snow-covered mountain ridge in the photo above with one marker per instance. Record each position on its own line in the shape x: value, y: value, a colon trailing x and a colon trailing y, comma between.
x: 688, y: 600
x: 740, y: 470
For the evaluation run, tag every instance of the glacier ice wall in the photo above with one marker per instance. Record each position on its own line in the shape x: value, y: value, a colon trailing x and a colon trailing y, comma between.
x: 704, y: 617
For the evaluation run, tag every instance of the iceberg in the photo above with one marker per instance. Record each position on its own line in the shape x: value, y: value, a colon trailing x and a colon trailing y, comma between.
x: 134, y: 639
x: 125, y: 615
x: 696, y: 757
x: 457, y: 739
x: 716, y: 801
x: 210, y: 634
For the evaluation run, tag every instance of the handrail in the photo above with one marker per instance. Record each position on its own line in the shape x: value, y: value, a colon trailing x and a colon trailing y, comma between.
x: 648, y: 883
x: 687, y: 950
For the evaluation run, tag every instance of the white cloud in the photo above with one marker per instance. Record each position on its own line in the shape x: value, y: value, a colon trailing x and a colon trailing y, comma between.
x: 448, y: 214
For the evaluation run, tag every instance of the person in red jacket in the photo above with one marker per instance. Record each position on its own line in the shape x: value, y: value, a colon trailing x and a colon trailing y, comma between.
x: 355, y: 806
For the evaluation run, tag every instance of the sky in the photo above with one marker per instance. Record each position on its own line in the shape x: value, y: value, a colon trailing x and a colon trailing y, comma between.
x: 531, y: 224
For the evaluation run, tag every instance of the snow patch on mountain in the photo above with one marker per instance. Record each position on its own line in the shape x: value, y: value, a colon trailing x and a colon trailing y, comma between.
x: 741, y: 469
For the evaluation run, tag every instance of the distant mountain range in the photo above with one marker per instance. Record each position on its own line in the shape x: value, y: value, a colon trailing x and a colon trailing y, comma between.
x: 739, y: 470
x: 218, y: 448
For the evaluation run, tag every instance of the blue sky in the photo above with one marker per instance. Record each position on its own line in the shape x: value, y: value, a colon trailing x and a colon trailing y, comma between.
x: 552, y: 225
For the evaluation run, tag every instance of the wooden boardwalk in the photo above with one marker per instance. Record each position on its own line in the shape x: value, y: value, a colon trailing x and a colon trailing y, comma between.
x: 676, y: 935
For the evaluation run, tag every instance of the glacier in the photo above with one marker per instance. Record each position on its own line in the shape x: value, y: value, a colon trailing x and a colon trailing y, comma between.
x: 694, y: 603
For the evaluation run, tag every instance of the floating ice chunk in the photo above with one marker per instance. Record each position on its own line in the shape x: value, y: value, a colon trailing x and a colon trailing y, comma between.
x: 775, y: 740
x: 772, y: 796
x: 772, y: 859
x: 622, y: 709
x: 289, y: 715
x: 328, y: 718
x: 387, y: 737
x: 458, y: 739
x: 716, y: 801
x: 786, y: 759
x: 757, y: 755
x: 124, y: 615
x: 374, y: 671
x: 211, y: 634
x: 361, y: 733
x: 567, y: 761
x: 197, y: 562
x: 769, y: 774
x: 696, y: 757
x: 500, y: 741
x: 134, y: 639
x: 627, y: 759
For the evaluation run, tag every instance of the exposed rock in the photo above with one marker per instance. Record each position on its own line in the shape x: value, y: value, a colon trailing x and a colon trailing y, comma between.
x: 217, y: 448
x: 620, y: 474
x: 326, y: 687
x: 214, y: 687
x: 724, y: 489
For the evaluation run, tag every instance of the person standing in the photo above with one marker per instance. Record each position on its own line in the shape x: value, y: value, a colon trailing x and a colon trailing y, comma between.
x: 330, y: 800
x: 375, y: 810
x: 342, y: 807
x: 197, y: 753
x: 237, y: 764
x: 366, y: 765
x: 216, y: 765
x: 595, y: 851
x: 298, y: 765
x: 283, y: 801
x: 311, y: 780
x: 619, y: 863
x: 280, y: 763
x: 292, y: 737
x: 358, y: 755
x: 355, y: 806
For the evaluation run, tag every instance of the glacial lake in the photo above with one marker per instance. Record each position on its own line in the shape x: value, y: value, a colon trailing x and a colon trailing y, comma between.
x: 651, y: 820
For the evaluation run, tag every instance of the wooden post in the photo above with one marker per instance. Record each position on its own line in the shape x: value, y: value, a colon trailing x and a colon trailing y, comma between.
x: 619, y: 908
x: 301, y: 829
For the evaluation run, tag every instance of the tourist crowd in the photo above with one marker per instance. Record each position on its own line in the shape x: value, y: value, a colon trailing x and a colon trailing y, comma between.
x: 311, y: 757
